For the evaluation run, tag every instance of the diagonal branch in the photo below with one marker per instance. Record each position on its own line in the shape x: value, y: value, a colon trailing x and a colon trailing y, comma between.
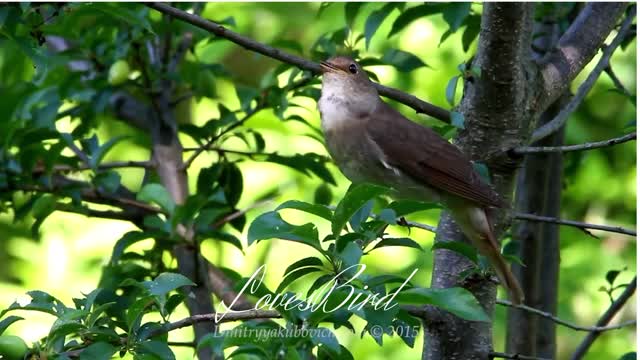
x: 555, y: 124
x: 604, y: 320
x: 580, y: 147
x: 419, y: 105
x: 577, y: 47
x: 616, y: 82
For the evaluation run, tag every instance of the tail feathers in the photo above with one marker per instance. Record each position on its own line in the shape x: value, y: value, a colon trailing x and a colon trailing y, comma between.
x: 507, y: 279
x: 478, y: 229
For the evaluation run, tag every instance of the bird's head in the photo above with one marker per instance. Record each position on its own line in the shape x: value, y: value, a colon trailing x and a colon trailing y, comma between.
x: 344, y: 77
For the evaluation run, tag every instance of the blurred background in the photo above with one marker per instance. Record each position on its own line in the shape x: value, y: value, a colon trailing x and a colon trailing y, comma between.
x: 66, y: 258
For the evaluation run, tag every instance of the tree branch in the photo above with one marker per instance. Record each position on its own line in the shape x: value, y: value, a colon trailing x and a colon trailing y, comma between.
x: 604, y: 320
x: 555, y: 124
x: 557, y: 320
x: 213, y: 139
x: 616, y: 82
x: 216, y: 318
x: 577, y: 47
x: 580, y: 147
x: 577, y: 224
x: 419, y: 105
x: 103, y: 166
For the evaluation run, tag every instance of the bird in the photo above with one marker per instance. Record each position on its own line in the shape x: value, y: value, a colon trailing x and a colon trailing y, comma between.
x: 371, y: 142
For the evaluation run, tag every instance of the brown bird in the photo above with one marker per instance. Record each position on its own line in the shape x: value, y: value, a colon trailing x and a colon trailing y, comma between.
x: 372, y: 142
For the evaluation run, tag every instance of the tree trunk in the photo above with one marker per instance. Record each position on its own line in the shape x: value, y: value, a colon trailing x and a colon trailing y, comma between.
x: 539, y: 188
x: 497, y: 114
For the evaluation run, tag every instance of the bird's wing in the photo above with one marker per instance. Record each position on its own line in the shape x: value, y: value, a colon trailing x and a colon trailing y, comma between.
x: 423, y: 155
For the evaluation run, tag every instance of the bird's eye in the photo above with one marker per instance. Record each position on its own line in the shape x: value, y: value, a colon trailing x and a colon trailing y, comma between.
x: 353, y: 68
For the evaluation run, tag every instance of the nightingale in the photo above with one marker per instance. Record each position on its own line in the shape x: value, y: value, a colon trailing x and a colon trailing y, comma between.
x: 372, y: 142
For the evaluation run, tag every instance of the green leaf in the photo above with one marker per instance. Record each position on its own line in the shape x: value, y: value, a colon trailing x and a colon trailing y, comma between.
x: 156, y: 193
x: 355, y: 198
x: 629, y: 356
x: 461, y: 248
x: 306, y: 262
x: 350, y: 255
x: 412, y: 14
x: 455, y: 14
x: 98, y: 351
x: 612, y: 275
x: 406, y: 326
x: 319, y: 210
x: 374, y: 21
x: 270, y: 225
x: 125, y: 13
x: 361, y: 216
x: 98, y: 155
x: 402, y: 60
x: 322, y: 195
x: 108, y: 181
x: 295, y: 275
x: 318, y: 283
x: 406, y: 207
x: 388, y: 215
x: 305, y: 163
x: 351, y: 11
x: 166, y: 282
x: 451, y: 89
x: 326, y: 338
x: 224, y: 236
x: 470, y: 32
x: 384, y: 279
x: 4, y: 324
x: 215, y: 342
x: 404, y: 241
x: 457, y: 119
x: 125, y: 241
x: 44, y: 206
x: 159, y: 349
x: 457, y: 301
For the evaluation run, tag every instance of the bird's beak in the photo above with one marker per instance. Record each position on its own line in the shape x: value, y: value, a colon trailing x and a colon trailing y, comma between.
x: 328, y: 67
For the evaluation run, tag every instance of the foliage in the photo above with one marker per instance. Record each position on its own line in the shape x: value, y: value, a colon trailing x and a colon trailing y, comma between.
x: 68, y: 144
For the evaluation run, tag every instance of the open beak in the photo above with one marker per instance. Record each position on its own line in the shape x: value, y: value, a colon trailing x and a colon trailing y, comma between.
x: 328, y: 67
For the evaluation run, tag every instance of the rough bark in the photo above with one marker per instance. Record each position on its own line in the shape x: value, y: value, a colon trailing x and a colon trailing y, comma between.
x: 577, y: 47
x: 497, y: 114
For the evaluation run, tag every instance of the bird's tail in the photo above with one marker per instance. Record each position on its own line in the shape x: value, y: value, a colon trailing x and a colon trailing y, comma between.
x: 478, y: 229
x: 507, y: 279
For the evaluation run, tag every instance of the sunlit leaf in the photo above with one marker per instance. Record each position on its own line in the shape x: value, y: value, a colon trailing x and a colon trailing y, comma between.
x: 356, y: 197
x: 458, y: 301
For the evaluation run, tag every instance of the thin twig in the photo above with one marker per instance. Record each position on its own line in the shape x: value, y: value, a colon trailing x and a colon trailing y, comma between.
x: 577, y: 224
x: 501, y: 355
x: 565, y: 323
x: 186, y: 96
x: 216, y: 318
x: 562, y: 116
x: 616, y: 82
x: 580, y: 147
x: 104, y: 166
x: 419, y: 105
x: 236, y: 214
x: 604, y: 320
x: 182, y: 343
x: 213, y: 139
x: 183, y: 46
